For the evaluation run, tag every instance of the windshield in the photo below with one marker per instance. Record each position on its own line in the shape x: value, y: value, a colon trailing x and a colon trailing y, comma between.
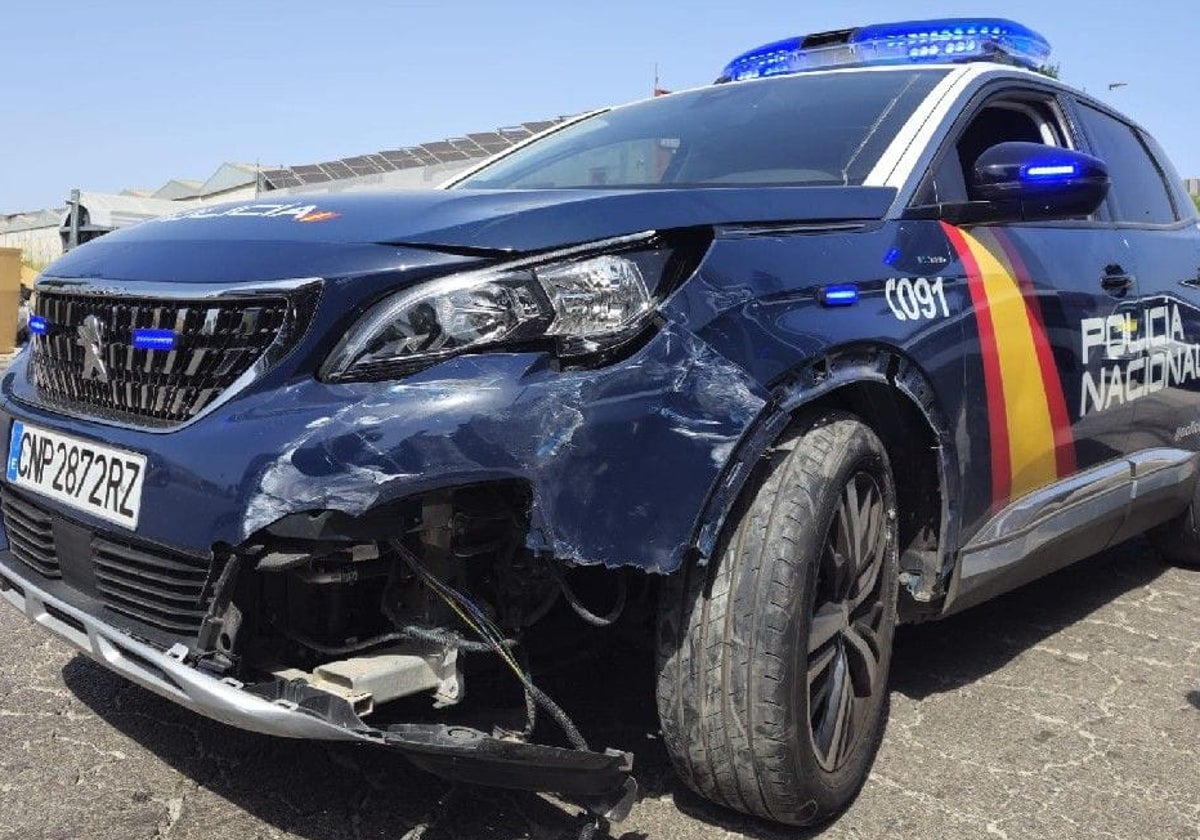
x: 821, y: 129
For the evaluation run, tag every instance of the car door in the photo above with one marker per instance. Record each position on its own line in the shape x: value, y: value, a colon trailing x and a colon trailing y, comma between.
x: 1158, y: 371
x: 1160, y: 226
x: 1038, y: 289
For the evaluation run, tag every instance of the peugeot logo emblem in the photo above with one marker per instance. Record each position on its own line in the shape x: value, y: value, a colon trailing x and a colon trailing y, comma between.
x: 91, y: 339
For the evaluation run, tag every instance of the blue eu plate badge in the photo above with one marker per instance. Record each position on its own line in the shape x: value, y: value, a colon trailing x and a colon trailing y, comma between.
x: 14, y: 449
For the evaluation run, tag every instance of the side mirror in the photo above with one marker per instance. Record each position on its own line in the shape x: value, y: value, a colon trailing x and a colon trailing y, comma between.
x: 1040, y: 182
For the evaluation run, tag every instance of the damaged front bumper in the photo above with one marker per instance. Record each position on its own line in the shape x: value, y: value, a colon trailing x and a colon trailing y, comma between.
x: 613, y: 466
x: 599, y: 781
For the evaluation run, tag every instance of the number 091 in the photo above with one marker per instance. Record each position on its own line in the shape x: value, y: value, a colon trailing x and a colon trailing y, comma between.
x: 916, y: 300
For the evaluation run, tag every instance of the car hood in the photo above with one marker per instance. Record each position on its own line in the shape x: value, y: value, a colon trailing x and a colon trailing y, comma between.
x: 210, y: 241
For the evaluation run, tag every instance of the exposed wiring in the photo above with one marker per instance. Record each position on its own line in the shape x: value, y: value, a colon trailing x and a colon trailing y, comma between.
x: 436, y: 635
x: 432, y: 635
x: 530, y: 703
x: 448, y: 638
x: 582, y: 611
x: 467, y: 611
x: 474, y: 617
x: 342, y: 650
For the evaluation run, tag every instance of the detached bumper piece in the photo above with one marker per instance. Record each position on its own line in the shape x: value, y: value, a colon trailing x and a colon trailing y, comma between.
x: 600, y: 782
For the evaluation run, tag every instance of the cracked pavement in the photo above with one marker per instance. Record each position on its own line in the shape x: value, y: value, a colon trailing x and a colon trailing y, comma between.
x: 1069, y: 708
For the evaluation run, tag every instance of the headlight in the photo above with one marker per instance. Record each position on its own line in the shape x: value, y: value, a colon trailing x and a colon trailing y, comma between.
x: 576, y: 302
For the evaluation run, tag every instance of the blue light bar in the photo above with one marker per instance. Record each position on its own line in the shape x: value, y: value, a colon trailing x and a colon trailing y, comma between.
x: 154, y: 339
x: 37, y: 325
x: 949, y: 40
x: 843, y: 295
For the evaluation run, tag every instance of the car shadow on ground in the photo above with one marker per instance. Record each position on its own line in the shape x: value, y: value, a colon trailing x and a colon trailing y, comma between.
x: 334, y: 791
x: 942, y: 656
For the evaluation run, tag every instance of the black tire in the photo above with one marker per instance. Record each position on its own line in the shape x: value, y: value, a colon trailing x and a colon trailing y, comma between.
x: 1178, y: 540
x: 733, y: 639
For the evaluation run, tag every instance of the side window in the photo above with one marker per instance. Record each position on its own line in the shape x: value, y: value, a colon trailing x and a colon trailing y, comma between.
x: 1139, y: 194
x: 1183, y: 201
x: 1025, y: 118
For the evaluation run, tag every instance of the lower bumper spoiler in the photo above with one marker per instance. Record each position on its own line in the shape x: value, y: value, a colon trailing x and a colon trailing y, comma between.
x: 599, y: 781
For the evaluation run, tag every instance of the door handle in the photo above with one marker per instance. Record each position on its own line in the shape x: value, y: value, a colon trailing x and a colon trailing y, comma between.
x: 1116, y: 283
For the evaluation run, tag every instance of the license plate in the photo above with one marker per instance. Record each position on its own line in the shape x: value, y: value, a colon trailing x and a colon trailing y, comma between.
x: 87, y: 476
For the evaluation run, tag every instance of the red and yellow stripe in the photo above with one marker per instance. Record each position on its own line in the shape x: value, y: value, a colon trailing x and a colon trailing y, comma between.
x: 1030, y: 431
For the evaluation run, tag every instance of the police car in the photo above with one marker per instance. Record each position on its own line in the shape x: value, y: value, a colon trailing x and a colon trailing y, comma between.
x: 883, y: 324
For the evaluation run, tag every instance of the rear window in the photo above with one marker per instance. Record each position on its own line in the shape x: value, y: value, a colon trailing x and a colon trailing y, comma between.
x: 822, y: 129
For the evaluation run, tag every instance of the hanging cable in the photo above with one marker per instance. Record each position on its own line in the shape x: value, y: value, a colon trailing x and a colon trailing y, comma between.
x: 582, y: 611
x: 530, y: 703
x: 478, y: 621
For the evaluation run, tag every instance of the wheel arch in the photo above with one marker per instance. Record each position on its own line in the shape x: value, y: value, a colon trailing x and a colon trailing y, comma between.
x: 893, y: 396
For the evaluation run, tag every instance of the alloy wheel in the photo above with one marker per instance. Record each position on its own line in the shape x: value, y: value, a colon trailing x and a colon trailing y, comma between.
x: 845, y: 627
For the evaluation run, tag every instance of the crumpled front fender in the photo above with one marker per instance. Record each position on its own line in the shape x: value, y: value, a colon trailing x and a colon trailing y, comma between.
x: 619, y: 460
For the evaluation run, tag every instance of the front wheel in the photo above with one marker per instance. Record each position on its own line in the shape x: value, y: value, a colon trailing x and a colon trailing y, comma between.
x: 773, y: 661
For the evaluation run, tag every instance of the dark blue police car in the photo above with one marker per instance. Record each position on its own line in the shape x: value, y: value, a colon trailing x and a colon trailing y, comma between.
x: 884, y: 324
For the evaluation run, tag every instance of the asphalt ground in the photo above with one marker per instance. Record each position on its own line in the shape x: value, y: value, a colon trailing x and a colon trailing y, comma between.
x: 1069, y: 708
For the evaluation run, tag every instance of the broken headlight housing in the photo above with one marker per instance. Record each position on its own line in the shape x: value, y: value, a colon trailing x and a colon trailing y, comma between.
x: 578, y: 302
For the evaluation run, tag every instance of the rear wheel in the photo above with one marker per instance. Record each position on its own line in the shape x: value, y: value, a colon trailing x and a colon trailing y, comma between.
x: 1178, y: 540
x: 773, y: 660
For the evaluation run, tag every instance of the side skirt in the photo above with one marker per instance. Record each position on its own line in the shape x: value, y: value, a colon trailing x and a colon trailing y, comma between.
x: 1072, y: 519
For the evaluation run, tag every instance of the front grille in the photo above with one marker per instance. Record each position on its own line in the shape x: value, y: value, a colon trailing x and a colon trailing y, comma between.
x: 161, y: 589
x: 212, y: 343
x: 164, y: 589
x: 30, y: 535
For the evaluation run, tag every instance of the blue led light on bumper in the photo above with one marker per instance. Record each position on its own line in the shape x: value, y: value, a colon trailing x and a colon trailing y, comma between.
x: 37, y: 325
x: 841, y: 295
x: 154, y: 339
x: 950, y: 40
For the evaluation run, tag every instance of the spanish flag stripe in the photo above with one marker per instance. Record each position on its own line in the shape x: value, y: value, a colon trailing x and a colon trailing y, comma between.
x: 1064, y: 439
x: 993, y: 381
x: 1028, y: 425
x: 1030, y: 428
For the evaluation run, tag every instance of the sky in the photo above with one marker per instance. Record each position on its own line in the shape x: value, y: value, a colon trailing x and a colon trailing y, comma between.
x: 130, y: 93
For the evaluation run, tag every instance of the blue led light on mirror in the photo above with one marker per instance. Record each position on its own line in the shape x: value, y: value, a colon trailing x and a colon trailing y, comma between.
x: 37, y: 325
x: 1051, y: 171
x: 910, y: 42
x: 154, y: 339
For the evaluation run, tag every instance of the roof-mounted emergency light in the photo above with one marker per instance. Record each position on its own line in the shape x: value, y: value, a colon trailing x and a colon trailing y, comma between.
x: 914, y: 42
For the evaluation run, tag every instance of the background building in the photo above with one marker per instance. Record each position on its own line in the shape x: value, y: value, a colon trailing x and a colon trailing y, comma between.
x: 42, y: 235
x: 35, y: 233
